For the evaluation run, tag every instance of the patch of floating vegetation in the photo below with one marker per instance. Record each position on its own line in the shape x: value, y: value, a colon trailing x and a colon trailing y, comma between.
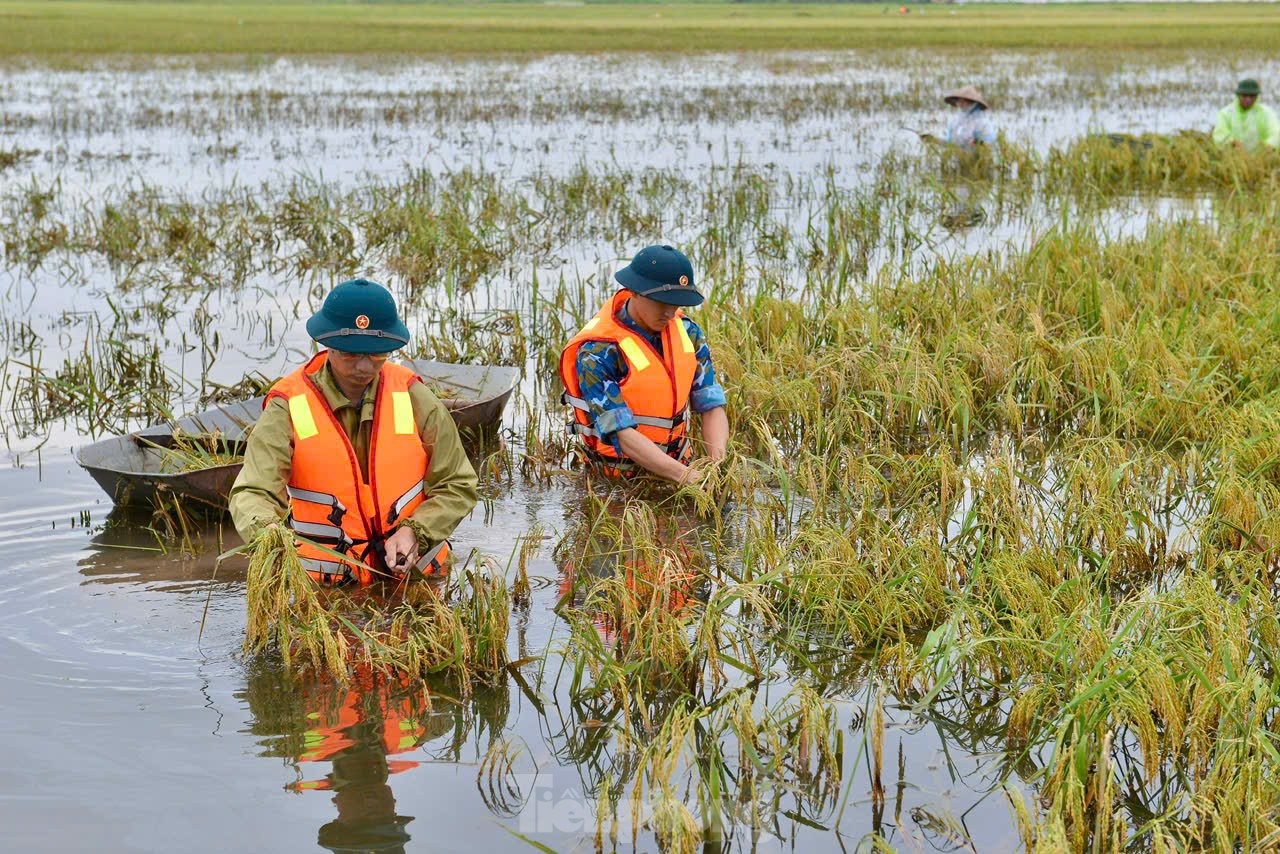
x: 10, y: 157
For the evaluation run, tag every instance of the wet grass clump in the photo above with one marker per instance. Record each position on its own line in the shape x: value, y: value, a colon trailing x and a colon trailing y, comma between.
x: 458, y: 629
x: 188, y: 452
x: 1184, y: 162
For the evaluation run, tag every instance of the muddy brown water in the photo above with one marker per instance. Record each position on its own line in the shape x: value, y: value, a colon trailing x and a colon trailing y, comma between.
x: 128, y: 730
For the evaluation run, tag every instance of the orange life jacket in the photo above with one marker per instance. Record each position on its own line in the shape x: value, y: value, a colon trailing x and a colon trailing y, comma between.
x: 396, y: 710
x: 330, y: 502
x: 656, y: 387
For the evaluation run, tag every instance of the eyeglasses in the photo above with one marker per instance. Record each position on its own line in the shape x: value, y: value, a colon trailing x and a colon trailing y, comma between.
x: 376, y: 358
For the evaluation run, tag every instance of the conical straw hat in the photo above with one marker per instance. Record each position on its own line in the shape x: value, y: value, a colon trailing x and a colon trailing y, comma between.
x: 969, y: 93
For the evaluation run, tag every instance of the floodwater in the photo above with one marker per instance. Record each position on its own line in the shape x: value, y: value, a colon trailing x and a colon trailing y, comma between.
x: 129, y: 729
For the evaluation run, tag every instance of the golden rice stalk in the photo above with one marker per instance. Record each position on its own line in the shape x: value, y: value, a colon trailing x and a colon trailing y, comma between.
x: 285, y: 609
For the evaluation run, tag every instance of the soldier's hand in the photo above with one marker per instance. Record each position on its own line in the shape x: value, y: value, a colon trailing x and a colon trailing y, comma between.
x: 689, y: 476
x: 402, y: 551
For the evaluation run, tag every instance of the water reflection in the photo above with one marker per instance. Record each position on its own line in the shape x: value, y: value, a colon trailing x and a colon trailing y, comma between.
x: 359, y: 745
x: 364, y: 731
x: 132, y: 546
x: 647, y: 549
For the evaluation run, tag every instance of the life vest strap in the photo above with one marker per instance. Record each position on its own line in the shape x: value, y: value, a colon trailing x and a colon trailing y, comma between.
x: 313, y: 497
x: 661, y: 423
x: 328, y: 569
x: 403, y: 501
x: 646, y: 420
x: 432, y: 562
x: 621, y: 464
x: 323, y: 533
x: 576, y: 402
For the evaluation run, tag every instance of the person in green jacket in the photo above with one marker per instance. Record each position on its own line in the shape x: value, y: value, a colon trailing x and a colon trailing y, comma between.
x: 348, y: 383
x: 1246, y: 123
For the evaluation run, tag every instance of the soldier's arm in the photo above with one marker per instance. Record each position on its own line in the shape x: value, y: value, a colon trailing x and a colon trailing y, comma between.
x: 601, y: 371
x: 641, y: 450
x: 707, y: 397
x: 258, y: 496
x: 450, y: 486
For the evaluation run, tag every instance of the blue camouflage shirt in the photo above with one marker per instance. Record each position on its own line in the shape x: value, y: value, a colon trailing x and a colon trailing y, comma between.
x: 602, y: 367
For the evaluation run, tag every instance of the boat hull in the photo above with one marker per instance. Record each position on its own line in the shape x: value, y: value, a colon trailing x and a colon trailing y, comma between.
x: 131, y: 469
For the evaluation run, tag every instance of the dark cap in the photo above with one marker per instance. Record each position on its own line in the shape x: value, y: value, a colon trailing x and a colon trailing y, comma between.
x: 359, y: 317
x: 661, y: 273
x: 1248, y: 86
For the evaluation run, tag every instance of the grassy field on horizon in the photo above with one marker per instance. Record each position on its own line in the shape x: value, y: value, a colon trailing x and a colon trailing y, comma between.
x: 66, y: 30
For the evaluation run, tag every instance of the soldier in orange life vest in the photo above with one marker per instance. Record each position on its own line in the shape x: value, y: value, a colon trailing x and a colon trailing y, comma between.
x: 637, y: 368
x: 356, y: 453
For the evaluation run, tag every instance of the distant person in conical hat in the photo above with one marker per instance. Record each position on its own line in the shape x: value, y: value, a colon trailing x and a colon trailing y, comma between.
x: 1245, y: 123
x: 971, y: 126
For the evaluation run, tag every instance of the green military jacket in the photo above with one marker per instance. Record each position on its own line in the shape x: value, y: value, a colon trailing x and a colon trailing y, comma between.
x: 258, y: 497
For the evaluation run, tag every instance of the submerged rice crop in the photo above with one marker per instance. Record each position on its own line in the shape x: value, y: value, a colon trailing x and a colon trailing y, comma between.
x: 459, y: 629
x: 1004, y: 479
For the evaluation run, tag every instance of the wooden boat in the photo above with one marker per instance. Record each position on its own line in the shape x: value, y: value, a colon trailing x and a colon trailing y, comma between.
x: 137, y: 468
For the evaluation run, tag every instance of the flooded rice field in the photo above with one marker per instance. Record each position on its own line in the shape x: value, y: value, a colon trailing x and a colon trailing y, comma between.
x: 990, y: 566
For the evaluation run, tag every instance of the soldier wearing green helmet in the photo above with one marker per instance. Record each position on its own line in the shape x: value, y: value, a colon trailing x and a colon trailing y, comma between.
x: 355, y: 452
x: 636, y: 371
x: 1246, y: 123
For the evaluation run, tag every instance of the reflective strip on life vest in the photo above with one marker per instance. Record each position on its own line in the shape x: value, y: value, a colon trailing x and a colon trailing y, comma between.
x: 325, y: 567
x: 304, y: 424
x: 685, y: 341
x: 396, y: 508
x: 402, y: 412
x: 328, y: 533
x: 639, y: 361
x: 430, y: 562
x: 316, y: 497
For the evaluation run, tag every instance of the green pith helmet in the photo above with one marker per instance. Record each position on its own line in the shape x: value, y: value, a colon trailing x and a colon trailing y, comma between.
x: 661, y: 273
x: 359, y: 317
x: 1248, y: 86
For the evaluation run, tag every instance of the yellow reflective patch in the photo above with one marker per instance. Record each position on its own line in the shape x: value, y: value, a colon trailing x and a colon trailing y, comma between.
x: 634, y: 354
x: 684, y: 338
x: 300, y: 411
x: 402, y: 408
x: 591, y: 324
x: 407, y: 742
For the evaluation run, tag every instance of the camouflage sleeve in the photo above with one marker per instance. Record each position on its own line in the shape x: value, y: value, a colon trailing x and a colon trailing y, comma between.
x: 707, y: 392
x: 600, y: 370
